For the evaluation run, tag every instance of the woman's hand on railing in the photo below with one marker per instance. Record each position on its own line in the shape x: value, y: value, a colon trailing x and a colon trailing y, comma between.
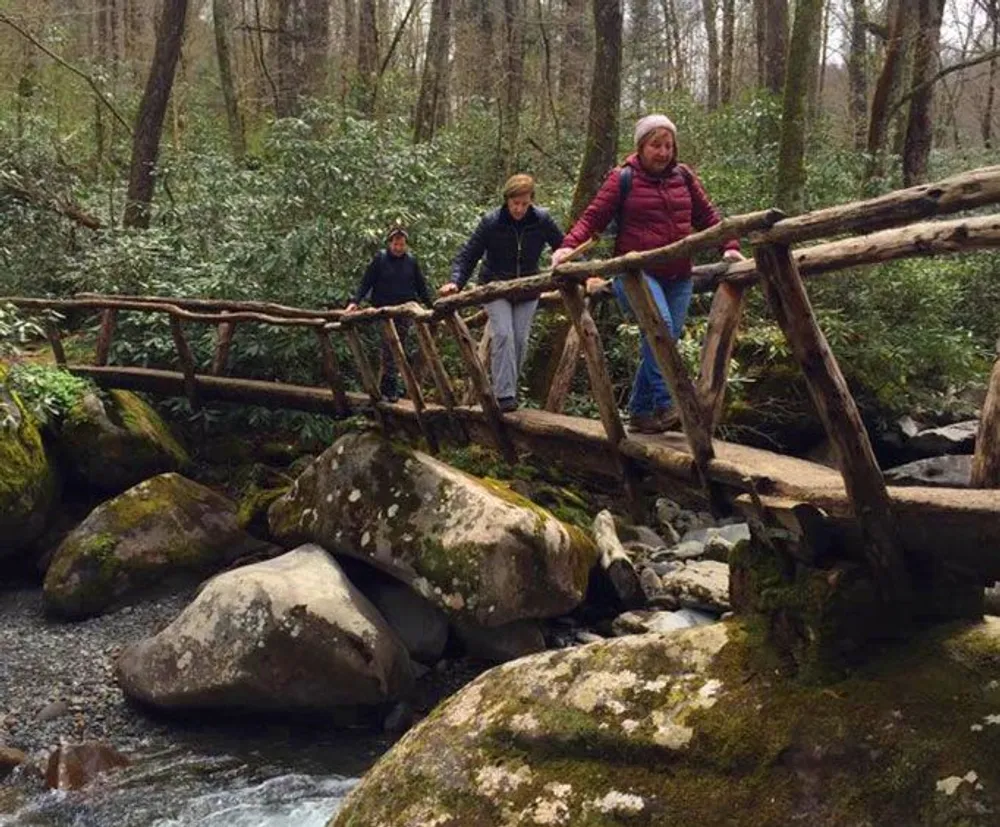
x: 733, y: 256
x: 351, y: 307
x: 560, y: 255
x: 594, y: 285
x: 447, y: 288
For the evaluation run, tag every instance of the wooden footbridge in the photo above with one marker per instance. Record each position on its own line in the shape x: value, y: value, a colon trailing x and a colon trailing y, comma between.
x: 906, y: 538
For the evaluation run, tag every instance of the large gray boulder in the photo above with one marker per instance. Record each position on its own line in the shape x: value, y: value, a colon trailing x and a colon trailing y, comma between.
x: 475, y: 549
x: 165, y: 530
x: 111, y: 444
x: 950, y: 471
x: 27, y: 483
x: 287, y: 635
x: 699, y: 727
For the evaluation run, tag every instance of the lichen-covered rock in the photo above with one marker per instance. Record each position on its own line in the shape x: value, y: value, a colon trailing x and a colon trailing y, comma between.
x: 289, y: 634
x: 474, y: 548
x: 166, y: 529
x: 110, y: 447
x: 698, y: 727
x: 699, y: 584
x: 27, y: 483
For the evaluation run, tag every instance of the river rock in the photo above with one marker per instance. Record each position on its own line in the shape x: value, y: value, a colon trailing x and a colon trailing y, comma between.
x: 27, y: 482
x: 644, y: 621
x: 420, y: 625
x: 952, y: 471
x: 9, y: 759
x: 957, y: 438
x: 287, y: 635
x: 72, y: 766
x: 111, y: 444
x: 699, y: 584
x: 165, y: 529
x: 475, y: 549
x: 686, y: 728
x: 501, y: 643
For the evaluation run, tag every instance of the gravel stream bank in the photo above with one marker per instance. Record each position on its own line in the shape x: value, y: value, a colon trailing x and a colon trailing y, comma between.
x: 57, y: 679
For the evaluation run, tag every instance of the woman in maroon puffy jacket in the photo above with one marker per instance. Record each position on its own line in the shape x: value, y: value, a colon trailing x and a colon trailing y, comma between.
x: 664, y: 202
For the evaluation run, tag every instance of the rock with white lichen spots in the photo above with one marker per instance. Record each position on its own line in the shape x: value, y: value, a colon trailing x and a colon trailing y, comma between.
x: 475, y: 549
x: 163, y: 532
x: 701, y: 727
x: 287, y: 635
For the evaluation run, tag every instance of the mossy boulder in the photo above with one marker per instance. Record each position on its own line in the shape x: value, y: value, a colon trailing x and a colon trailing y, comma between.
x: 27, y: 482
x: 165, y: 530
x: 290, y: 634
x: 472, y: 547
x: 111, y: 444
x: 694, y: 727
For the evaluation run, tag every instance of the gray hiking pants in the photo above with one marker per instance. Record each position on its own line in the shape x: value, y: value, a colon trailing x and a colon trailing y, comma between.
x: 511, y: 327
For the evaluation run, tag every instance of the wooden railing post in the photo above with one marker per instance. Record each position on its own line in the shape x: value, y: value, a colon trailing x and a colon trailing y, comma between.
x: 863, y: 480
x: 55, y: 341
x: 657, y: 333
x: 717, y: 350
x: 428, y: 347
x: 391, y: 334
x: 187, y: 363
x: 223, y: 342
x: 368, y: 380
x: 331, y: 372
x: 481, y: 382
x: 986, y: 462
x: 103, y: 348
x: 602, y: 388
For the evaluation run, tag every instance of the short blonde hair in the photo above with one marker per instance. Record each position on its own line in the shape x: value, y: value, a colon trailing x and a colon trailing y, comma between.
x: 520, y: 184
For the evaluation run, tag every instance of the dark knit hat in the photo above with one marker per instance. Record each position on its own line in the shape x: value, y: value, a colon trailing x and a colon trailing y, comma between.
x: 395, y: 230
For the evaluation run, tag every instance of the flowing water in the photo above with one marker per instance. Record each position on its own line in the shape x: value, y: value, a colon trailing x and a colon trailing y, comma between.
x: 269, y: 779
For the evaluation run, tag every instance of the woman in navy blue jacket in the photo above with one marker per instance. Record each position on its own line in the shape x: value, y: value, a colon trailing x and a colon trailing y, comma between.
x: 510, y: 240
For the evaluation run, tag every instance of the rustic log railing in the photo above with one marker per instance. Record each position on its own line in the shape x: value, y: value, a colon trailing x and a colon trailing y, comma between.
x: 889, y: 234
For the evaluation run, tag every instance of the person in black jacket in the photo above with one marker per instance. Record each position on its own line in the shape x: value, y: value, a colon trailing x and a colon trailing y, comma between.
x: 392, y: 277
x: 510, y: 240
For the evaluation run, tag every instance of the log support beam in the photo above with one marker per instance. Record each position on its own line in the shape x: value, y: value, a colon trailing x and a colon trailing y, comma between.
x: 223, y: 342
x: 863, y: 480
x: 429, y: 350
x: 186, y: 359
x: 104, y: 336
x: 368, y: 380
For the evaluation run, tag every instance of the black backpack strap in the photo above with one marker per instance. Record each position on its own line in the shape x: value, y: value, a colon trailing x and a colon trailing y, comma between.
x: 624, y: 187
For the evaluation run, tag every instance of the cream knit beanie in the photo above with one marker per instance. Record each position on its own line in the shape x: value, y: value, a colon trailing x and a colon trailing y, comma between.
x: 651, y: 122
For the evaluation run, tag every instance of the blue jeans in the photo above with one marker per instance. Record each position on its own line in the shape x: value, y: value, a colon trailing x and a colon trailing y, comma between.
x: 649, y: 390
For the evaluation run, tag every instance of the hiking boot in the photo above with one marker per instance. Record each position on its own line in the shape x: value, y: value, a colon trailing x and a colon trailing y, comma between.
x: 649, y: 423
x: 507, y: 404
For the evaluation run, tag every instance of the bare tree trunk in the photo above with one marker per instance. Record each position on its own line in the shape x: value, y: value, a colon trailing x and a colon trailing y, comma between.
x: 673, y: 38
x: 367, y: 56
x: 857, y: 73
x: 431, y: 100
x: 728, y: 39
x: 605, y: 99
x: 149, y: 123
x: 886, y: 88
x: 709, y: 9
x: 987, y: 121
x: 573, y: 63
x: 316, y: 39
x: 760, y: 26
x: 802, y: 66
x: 223, y: 51
x: 776, y: 42
x: 509, y: 135
x: 919, y: 131
x: 349, y: 46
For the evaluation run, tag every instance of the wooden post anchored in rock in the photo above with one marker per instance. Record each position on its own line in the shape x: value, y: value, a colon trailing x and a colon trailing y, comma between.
x: 986, y: 462
x: 603, y: 390
x: 107, y: 330
x: 863, y: 480
x: 391, y: 334
x: 368, y: 381
x: 481, y: 382
x: 717, y: 350
x: 223, y: 342
x: 331, y: 372
x: 55, y: 341
x: 187, y: 363
x: 672, y: 367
